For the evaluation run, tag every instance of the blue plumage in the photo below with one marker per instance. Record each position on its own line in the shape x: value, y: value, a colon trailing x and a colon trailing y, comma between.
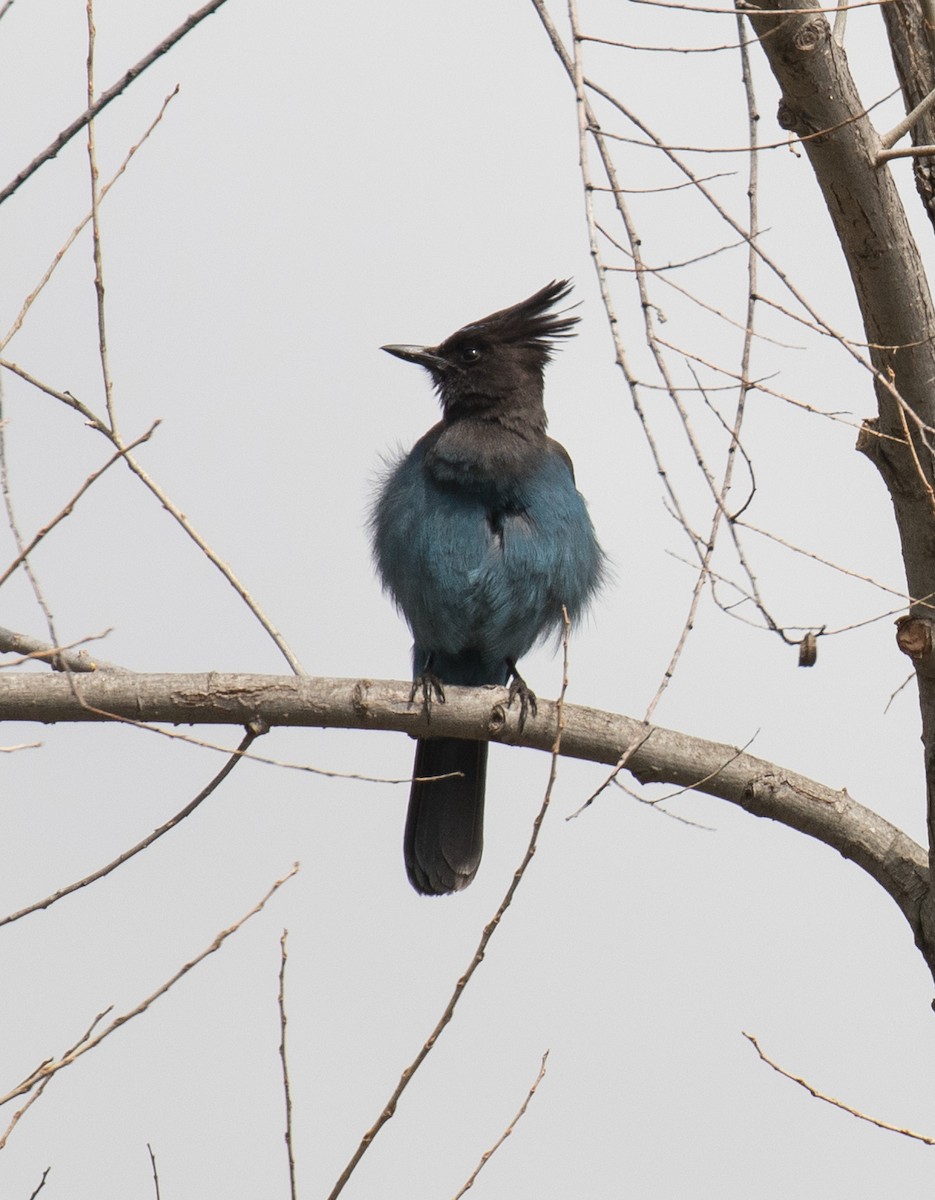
x: 481, y: 537
x: 486, y: 568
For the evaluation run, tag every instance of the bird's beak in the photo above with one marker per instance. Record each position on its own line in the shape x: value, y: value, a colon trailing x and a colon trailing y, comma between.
x: 425, y: 356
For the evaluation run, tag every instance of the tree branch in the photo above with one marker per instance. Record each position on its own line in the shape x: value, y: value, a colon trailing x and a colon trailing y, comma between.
x: 663, y: 756
x: 820, y: 103
x: 111, y: 94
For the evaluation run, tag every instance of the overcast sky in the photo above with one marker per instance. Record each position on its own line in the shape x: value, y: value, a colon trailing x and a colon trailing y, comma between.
x: 330, y: 178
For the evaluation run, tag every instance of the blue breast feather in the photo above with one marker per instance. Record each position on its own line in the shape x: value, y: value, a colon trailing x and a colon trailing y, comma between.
x: 481, y: 573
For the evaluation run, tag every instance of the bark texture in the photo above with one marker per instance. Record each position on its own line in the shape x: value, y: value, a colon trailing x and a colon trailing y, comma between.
x: 820, y: 104
x: 652, y: 754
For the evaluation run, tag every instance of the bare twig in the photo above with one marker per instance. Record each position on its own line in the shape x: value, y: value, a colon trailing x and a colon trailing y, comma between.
x: 659, y: 274
x: 920, y: 471
x: 520, y: 1113
x: 889, y: 140
x: 619, y: 765
x: 70, y: 240
x: 50, y: 1068
x: 701, y: 782
x: 602, y: 41
x: 745, y: 147
x: 46, y: 529
x: 45, y: 1173
x: 14, y: 525
x: 854, y: 1112
x: 879, y: 376
x: 59, y: 658
x: 895, y: 693
x: 287, y: 1091
x: 111, y: 94
x: 743, y: 6
x: 15, y: 1119
x: 96, y: 234
x: 654, y: 804
x: 174, y: 511
x: 840, y: 22
x: 906, y: 152
x: 249, y: 737
x: 826, y: 562
x: 152, y: 1160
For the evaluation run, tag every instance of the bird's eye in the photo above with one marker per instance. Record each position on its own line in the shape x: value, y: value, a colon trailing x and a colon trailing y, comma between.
x: 469, y: 354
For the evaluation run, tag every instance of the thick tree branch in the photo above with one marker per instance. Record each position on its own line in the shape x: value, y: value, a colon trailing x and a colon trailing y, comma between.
x: 820, y: 103
x: 911, y: 45
x: 660, y: 756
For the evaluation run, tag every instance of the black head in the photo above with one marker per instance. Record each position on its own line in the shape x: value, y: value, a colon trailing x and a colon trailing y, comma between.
x: 499, y: 357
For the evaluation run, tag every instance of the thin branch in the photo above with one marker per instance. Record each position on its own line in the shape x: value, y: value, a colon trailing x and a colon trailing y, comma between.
x: 64, y: 397
x: 854, y: 1112
x: 704, y: 548
x: 96, y: 234
x: 883, y: 381
x: 587, y: 124
x: 250, y: 736
x: 909, y: 678
x: 521, y: 1112
x: 18, y: 1115
x: 685, y: 262
x: 152, y: 1160
x: 59, y: 658
x: 602, y: 41
x: 45, y: 1173
x: 287, y: 1091
x: 48, y: 1069
x: 111, y: 94
x: 46, y: 529
x: 745, y: 7
x: 889, y: 140
x: 839, y: 28
x: 655, y: 806
x: 834, y: 334
x: 72, y: 237
x: 907, y: 152
x: 683, y: 291
x: 623, y: 761
x: 172, y: 509
x: 14, y: 525
x: 698, y: 786
x: 920, y: 472
x: 826, y: 562
x: 660, y: 189
x: 745, y: 148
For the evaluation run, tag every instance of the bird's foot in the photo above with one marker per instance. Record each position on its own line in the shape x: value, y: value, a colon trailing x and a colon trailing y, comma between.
x: 430, y: 687
x: 526, y: 696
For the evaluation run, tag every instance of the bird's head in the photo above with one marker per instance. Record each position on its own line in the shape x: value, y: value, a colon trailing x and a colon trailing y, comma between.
x: 499, y: 358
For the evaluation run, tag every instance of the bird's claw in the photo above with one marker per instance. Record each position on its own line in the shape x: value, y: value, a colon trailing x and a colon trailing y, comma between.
x: 430, y: 687
x: 526, y: 696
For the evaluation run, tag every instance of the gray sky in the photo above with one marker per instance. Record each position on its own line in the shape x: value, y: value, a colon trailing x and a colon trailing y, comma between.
x: 330, y: 178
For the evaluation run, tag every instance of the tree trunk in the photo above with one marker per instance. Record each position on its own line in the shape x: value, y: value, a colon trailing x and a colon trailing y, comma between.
x: 821, y: 105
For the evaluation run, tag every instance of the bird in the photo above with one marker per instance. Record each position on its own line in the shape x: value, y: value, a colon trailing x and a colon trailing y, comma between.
x: 482, y: 539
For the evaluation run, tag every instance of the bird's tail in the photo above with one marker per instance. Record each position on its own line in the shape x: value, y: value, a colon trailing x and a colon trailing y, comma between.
x: 445, y: 824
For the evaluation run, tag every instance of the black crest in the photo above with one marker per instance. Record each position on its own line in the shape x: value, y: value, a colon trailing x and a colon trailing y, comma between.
x: 531, y: 322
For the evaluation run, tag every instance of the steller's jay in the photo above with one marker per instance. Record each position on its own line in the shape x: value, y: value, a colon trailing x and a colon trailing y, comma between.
x: 481, y: 537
